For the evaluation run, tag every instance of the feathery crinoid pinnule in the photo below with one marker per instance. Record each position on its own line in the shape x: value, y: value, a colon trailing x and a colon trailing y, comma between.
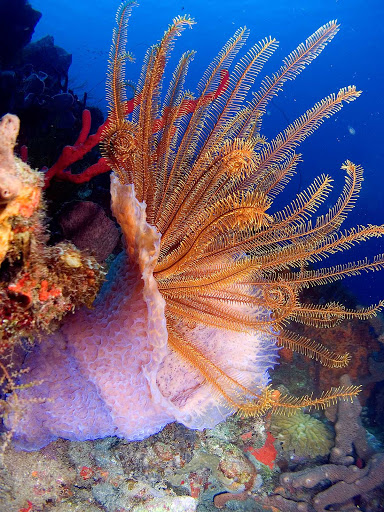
x: 208, y: 179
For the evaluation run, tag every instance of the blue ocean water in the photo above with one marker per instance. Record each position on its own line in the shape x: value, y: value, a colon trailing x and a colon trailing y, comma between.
x: 84, y: 28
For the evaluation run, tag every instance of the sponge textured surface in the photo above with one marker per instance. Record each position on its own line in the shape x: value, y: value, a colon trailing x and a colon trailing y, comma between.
x: 109, y: 371
x: 92, y: 372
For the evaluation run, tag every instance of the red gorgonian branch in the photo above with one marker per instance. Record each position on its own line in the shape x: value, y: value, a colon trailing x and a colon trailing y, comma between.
x: 85, y: 142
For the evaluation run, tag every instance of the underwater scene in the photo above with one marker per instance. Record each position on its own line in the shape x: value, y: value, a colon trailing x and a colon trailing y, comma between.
x: 191, y: 256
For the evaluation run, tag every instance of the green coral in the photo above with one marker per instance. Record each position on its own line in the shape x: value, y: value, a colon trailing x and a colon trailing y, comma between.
x: 303, y: 434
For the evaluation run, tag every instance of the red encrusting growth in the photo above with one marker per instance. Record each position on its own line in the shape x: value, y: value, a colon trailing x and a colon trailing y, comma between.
x: 267, y: 453
x: 28, y: 508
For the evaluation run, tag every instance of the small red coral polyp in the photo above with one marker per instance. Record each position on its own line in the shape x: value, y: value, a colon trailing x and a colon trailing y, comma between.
x: 86, y: 473
x: 23, y: 288
x: 46, y: 293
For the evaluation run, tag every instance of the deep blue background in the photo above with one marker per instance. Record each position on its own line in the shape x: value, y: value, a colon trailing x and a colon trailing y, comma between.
x: 355, y: 56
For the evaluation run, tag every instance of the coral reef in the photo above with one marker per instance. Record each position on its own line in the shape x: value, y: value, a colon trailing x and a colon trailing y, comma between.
x: 206, y: 269
x: 302, y: 434
x: 40, y: 283
x: 112, y: 371
x: 175, y: 467
x: 354, y: 469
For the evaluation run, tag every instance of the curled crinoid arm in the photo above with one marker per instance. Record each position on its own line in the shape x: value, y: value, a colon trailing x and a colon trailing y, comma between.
x: 287, y: 404
x: 331, y: 314
x: 271, y: 400
x: 312, y: 349
x: 118, y: 145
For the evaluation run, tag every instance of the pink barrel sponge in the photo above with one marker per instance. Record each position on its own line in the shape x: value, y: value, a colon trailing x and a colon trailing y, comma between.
x: 109, y: 370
